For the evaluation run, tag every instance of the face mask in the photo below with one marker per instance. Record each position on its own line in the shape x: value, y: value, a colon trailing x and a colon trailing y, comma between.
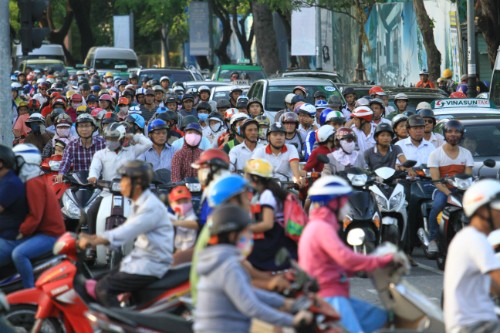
x: 215, y: 128
x: 109, y: 80
x: 203, y: 175
x: 263, y: 133
x: 192, y: 139
x: 348, y: 147
x: 112, y: 145
x: 245, y: 245
x: 75, y: 105
x: 63, y: 132
x: 183, y: 208
x: 203, y: 116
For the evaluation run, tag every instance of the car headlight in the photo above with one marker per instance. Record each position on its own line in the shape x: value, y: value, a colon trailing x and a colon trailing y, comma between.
x: 462, y: 184
x: 395, y: 201
x: 357, y: 180
x: 193, y: 187
x: 70, y: 209
x: 381, y: 202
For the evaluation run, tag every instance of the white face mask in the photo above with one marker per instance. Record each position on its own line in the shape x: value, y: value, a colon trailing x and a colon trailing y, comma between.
x: 215, y: 128
x: 348, y: 147
x: 63, y: 132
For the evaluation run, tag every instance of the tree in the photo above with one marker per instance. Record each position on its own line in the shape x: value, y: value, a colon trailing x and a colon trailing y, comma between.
x: 488, y: 22
x: 265, y: 38
x: 426, y: 27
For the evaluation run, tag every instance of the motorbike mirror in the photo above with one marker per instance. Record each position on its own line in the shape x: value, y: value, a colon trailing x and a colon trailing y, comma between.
x: 323, y: 158
x: 409, y: 163
x: 489, y: 163
x: 282, y: 257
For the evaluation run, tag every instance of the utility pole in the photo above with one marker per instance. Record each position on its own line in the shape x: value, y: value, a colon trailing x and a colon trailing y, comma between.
x: 471, y: 51
x: 6, y: 136
x: 319, y: 53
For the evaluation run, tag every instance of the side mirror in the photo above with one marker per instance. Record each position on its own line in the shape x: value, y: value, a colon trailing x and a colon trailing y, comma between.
x: 282, y: 257
x: 489, y: 163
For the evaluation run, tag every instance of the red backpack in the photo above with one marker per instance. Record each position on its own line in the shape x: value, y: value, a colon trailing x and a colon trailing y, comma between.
x: 294, y: 217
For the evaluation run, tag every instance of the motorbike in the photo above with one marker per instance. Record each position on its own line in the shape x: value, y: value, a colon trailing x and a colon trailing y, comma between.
x: 361, y: 225
x: 391, y: 200
x: 410, y: 310
x: 50, y: 167
x: 452, y: 218
x: 61, y: 294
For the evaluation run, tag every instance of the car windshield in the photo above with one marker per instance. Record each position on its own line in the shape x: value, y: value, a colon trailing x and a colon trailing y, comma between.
x: 56, y: 67
x: 276, y: 95
x: 334, y: 78
x: 111, y: 63
x: 177, y: 76
x: 495, y: 87
x: 224, y: 94
x: 225, y: 75
x: 483, y: 140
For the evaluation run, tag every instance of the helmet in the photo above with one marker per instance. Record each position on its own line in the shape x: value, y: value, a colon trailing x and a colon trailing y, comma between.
x: 309, y: 109
x: 289, y: 97
x: 323, y: 115
x: 158, y: 88
x: 362, y: 112
x: 289, y: 117
x: 123, y: 101
x: 482, y: 192
x: 415, y: 121
x: 383, y: 127
x: 276, y: 127
x: 188, y: 120
x: 85, y: 118
x: 374, y: 90
x: 29, y: 152
x: 423, y: 105
x: 76, y: 98
x: 297, y: 106
x: 163, y: 78
x: 106, y: 97
x: 138, y: 171
x: 334, y: 101
x: 122, y: 83
x: 458, y: 94
x: 82, y: 109
x: 187, y: 97
x: 324, y: 133
x: 134, y: 109
x: 63, y: 118
x: 179, y: 192
x: 15, y: 86
x: 229, y: 113
x: 116, y: 130
x: 161, y: 109
x: 22, y: 104
x: 140, y: 91
x: 169, y: 116
x: 223, y: 103
x: 98, y: 113
x: 321, y: 104
x: 328, y: 188
x: 204, y: 106
x: 401, y: 96
x: 247, y: 122
x: 214, y: 115
x: 108, y: 74
x: 225, y: 188
x: 237, y: 117
x: 59, y: 100
x: 203, y: 88
x: 424, y: 72
x: 34, y: 104
x: 109, y: 118
x: 345, y: 133
x: 259, y: 167
x: 297, y: 98
x: 301, y: 89
x: 453, y: 124
x: 235, y: 88
x: 171, y: 99
x: 70, y: 93
x: 156, y: 125
x: 35, y: 117
x: 263, y: 120
x: 212, y: 157
x: 95, y: 88
x: 55, y: 113
x: 336, y: 116
x: 136, y: 119
x: 348, y: 91
x: 255, y: 100
x: 427, y: 113
x: 447, y: 73
x: 194, y: 126
x: 362, y: 102
x: 228, y: 218
x: 7, y: 157
x: 319, y: 93
x: 377, y: 101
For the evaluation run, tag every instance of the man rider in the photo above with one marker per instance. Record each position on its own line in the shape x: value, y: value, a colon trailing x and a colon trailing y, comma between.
x: 350, y: 98
x: 187, y: 106
x: 234, y: 93
x: 240, y: 154
x: 235, y: 132
x: 424, y: 80
x: 401, y: 102
x: 363, y: 127
x: 149, y: 224
x: 160, y: 154
x: 378, y: 108
x: 290, y: 122
x: 148, y: 108
x: 430, y: 121
x: 415, y: 147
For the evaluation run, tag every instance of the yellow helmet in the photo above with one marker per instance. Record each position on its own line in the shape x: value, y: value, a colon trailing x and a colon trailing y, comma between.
x: 259, y: 167
x: 82, y: 108
x: 70, y: 93
x: 447, y: 73
x: 108, y: 74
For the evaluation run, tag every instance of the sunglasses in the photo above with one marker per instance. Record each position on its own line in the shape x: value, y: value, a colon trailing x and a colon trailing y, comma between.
x: 429, y: 121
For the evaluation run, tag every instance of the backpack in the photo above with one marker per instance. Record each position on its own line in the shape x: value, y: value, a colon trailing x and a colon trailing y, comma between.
x: 294, y: 217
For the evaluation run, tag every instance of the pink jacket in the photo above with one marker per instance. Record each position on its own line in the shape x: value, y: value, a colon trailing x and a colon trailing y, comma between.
x: 323, y: 255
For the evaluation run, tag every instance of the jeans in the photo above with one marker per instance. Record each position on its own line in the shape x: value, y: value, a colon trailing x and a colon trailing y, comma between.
x: 437, y: 206
x: 21, y: 251
x: 358, y: 316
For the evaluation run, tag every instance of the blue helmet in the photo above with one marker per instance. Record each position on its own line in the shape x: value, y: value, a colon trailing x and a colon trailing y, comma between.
x: 322, y: 117
x: 225, y: 188
x: 157, y: 124
x: 193, y: 126
x: 136, y: 119
x: 161, y: 109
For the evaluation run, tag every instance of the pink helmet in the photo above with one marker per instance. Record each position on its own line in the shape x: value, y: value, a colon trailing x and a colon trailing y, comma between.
x: 106, y: 97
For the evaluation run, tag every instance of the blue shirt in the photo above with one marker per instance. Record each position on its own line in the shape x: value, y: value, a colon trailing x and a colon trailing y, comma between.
x: 13, y: 201
x: 162, y: 161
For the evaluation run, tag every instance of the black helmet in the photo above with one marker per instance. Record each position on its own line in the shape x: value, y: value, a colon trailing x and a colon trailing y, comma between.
x: 8, y: 157
x: 205, y: 106
x: 383, y: 127
x: 214, y: 115
x: 223, y: 103
x: 319, y: 93
x: 171, y: 99
x: 427, y: 113
x: 138, y: 171
x: 415, y: 121
x: 188, y: 120
x: 133, y: 75
x: 255, y: 100
x: 169, y: 116
x: 276, y: 127
x: 228, y: 218
x: 348, y: 91
x: 246, y: 123
x: 453, y: 124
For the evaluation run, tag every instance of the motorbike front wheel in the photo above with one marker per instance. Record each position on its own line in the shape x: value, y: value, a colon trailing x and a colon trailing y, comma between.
x: 390, y: 233
x: 22, y: 317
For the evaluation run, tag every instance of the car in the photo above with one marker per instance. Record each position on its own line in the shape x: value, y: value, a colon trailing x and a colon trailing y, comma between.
x: 46, y: 51
x: 458, y: 108
x: 111, y: 59
x: 415, y: 95
x: 53, y: 64
x: 272, y: 92
x: 223, y: 73
x: 197, y: 84
x: 482, y: 138
x: 336, y: 78
x: 222, y: 92
x: 494, y: 92
x: 174, y: 74
x: 361, y: 90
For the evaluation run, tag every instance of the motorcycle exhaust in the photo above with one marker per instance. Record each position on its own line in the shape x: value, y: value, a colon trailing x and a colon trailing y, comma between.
x: 423, y: 236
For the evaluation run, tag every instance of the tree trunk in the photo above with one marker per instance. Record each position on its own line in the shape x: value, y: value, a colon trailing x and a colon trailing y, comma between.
x: 488, y: 22
x: 426, y: 28
x: 57, y: 36
x: 265, y: 38
x: 221, y: 50
x: 203, y: 62
x: 81, y: 9
x: 241, y: 33
x: 286, y: 18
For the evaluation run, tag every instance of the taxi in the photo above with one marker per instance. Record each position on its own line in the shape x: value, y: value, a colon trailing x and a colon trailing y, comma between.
x: 458, y: 108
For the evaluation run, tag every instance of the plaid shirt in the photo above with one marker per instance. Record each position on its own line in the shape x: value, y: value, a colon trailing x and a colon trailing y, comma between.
x: 78, y: 156
x: 181, y: 163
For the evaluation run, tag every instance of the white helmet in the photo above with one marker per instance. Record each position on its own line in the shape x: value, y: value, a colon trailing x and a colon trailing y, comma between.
x: 36, y: 117
x: 140, y: 91
x: 335, y: 115
x: 289, y: 97
x: 203, y: 88
x: 480, y: 193
x: 401, y: 96
x: 324, y: 132
x: 29, y: 152
x: 328, y: 188
x: 423, y: 106
x: 362, y: 102
x: 116, y: 130
x: 237, y: 117
x: 309, y: 108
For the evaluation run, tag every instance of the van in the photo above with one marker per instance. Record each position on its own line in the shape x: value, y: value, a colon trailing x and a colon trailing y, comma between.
x: 495, y: 81
x: 46, y: 51
x: 105, y: 59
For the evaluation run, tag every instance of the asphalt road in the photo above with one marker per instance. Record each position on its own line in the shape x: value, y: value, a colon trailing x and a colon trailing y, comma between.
x: 426, y: 277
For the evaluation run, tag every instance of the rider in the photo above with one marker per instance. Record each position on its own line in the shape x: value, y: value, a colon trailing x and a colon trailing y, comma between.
x: 415, y: 147
x: 290, y: 122
x: 363, y: 128
x: 345, y: 156
x: 234, y: 129
x: 472, y: 265
x: 401, y: 102
x: 307, y: 115
x: 399, y: 127
x: 204, y: 95
x: 38, y: 135
x: 326, y: 141
x: 350, y: 98
x: 430, y: 122
x: 234, y: 93
x: 378, y: 108
x: 160, y: 154
x: 187, y: 106
x: 446, y: 161
x: 264, y: 124
x: 215, y: 128
x: 188, y: 154
x: 149, y: 224
x: 424, y: 80
x: 42, y: 225
x: 324, y: 256
x: 384, y: 153
x: 255, y: 107
x: 241, y: 153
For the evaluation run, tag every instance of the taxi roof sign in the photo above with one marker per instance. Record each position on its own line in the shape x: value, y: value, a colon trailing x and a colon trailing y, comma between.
x: 461, y: 102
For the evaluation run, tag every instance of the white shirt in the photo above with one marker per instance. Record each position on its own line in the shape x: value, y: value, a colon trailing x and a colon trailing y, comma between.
x: 107, y: 162
x: 437, y: 140
x: 239, y: 155
x: 281, y: 161
x: 420, y: 154
x: 466, y: 280
x: 364, y: 141
x: 448, y: 166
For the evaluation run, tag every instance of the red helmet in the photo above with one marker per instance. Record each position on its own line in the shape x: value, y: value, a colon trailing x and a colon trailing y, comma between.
x: 362, y: 112
x: 77, y: 98
x: 215, y: 157
x: 179, y: 192
x: 59, y: 100
x: 345, y: 133
x: 123, y: 101
x: 458, y: 94
x: 106, y: 97
x: 34, y: 104
x: 55, y: 94
x: 375, y: 89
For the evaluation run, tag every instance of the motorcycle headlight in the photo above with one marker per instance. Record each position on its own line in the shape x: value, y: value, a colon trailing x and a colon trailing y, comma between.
x: 70, y: 209
x: 462, y: 184
x: 54, y: 165
x: 357, y: 180
x: 395, y: 201
x: 194, y: 187
x: 381, y: 202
